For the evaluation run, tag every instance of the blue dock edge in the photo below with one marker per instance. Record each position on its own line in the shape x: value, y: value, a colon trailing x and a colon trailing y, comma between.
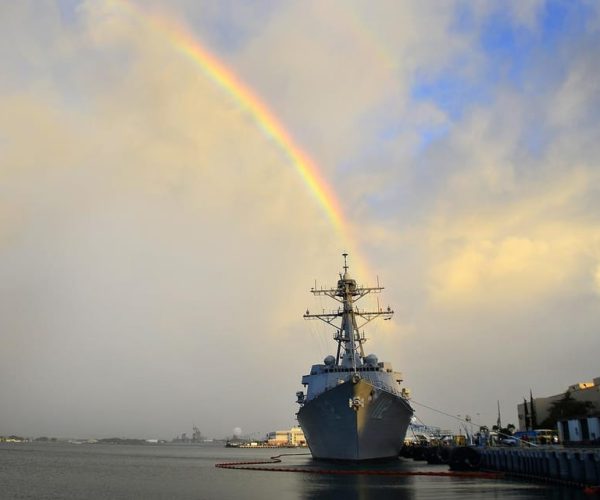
x: 577, y: 466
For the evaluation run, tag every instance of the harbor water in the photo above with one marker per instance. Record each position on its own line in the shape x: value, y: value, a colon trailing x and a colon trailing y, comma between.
x: 102, y: 471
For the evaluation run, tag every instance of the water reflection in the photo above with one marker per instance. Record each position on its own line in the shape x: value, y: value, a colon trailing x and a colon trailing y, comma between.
x: 359, y: 487
x: 367, y: 487
x: 61, y: 470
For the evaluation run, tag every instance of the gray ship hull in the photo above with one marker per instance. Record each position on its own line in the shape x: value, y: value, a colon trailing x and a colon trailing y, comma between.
x: 355, y: 421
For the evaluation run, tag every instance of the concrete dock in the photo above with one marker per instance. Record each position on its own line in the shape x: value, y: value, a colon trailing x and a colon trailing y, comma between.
x: 577, y: 466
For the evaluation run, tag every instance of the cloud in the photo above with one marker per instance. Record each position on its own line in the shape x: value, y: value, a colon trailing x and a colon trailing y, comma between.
x: 155, y: 228
x: 157, y: 249
x: 492, y: 231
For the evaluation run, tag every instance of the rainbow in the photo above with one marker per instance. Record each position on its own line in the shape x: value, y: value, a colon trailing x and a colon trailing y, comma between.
x: 368, y: 38
x: 184, y: 42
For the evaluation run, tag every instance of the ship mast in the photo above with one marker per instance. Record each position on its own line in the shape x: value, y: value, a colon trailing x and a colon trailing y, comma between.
x: 348, y: 334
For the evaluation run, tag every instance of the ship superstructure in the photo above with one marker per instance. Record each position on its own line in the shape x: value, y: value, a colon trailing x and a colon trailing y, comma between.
x: 354, y: 407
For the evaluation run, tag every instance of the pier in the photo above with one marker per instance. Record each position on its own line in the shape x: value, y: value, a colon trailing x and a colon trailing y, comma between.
x: 577, y: 466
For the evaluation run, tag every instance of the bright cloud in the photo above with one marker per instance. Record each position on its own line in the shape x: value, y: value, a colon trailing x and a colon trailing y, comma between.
x: 152, y: 236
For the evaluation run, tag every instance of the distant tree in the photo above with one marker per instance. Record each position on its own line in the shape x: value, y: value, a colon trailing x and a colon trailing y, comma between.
x: 565, y: 408
x: 527, y: 417
x: 533, y: 411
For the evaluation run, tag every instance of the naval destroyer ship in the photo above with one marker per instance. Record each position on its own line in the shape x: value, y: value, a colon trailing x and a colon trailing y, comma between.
x: 354, y: 408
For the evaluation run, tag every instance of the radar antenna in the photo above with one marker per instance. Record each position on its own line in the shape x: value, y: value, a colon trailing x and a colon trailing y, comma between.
x: 348, y: 333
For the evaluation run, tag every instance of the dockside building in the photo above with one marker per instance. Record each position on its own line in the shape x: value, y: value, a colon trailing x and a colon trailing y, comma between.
x: 582, y: 391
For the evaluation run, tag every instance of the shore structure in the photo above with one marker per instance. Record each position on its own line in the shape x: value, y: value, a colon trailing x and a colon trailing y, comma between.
x: 290, y: 437
x: 354, y: 408
x: 574, y: 427
x: 541, y: 406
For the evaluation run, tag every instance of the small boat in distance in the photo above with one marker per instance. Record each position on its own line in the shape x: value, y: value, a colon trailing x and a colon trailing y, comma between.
x: 354, y: 408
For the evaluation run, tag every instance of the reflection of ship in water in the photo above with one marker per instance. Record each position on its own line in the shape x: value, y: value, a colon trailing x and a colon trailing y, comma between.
x: 363, y: 487
x: 354, y: 407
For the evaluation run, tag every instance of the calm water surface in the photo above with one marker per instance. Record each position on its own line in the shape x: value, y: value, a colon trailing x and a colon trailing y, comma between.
x: 95, y: 471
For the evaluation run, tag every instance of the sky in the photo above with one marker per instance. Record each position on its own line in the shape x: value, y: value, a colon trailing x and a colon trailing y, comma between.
x: 174, y: 177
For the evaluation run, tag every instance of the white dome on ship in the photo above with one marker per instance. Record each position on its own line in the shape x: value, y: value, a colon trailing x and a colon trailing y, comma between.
x: 371, y: 360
